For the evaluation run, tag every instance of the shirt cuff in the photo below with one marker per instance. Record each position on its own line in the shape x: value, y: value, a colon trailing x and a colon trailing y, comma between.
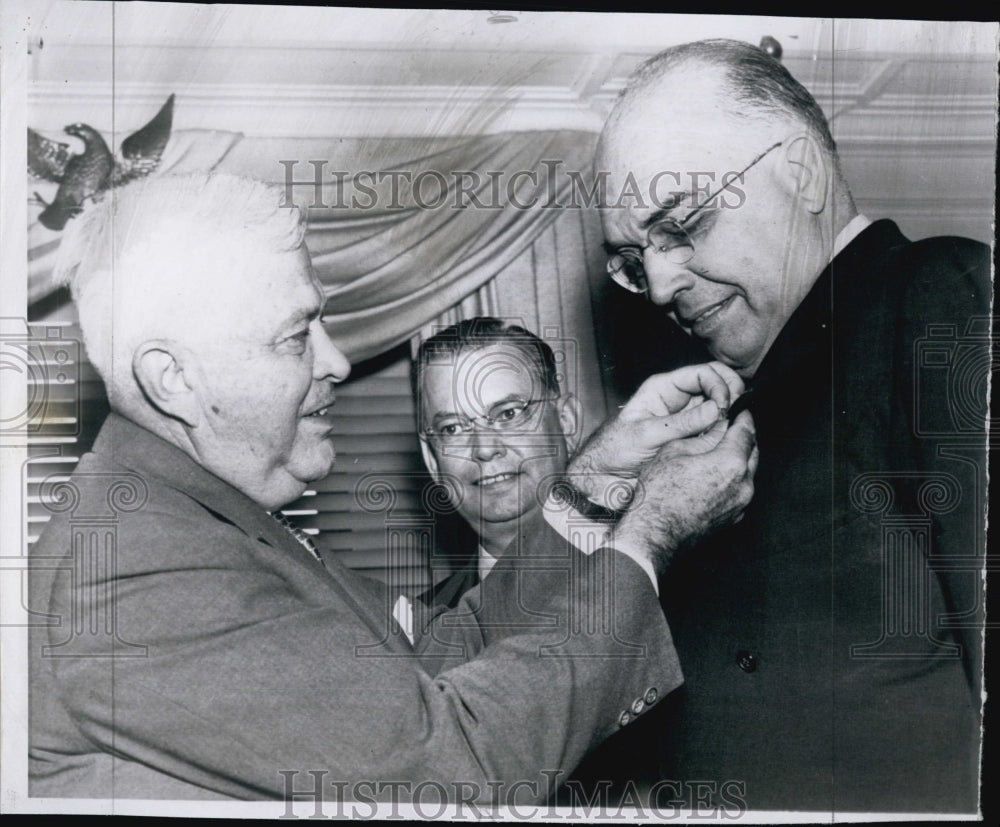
x: 588, y: 536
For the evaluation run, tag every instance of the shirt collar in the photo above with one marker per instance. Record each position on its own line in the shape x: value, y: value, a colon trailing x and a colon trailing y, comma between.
x: 486, y: 561
x: 851, y: 231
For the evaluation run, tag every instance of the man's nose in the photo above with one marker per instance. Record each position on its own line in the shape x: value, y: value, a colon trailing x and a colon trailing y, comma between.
x: 665, y: 278
x: 486, y: 444
x: 328, y: 361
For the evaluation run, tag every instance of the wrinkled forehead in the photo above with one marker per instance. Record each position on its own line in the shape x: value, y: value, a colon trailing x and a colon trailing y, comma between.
x: 477, y: 378
x: 674, y: 129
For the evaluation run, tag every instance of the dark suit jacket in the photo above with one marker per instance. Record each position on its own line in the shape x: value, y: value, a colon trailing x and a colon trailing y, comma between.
x: 830, y: 640
x: 449, y: 591
x: 187, y: 646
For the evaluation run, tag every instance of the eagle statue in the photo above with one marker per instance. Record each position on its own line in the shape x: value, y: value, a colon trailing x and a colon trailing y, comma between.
x: 85, y: 175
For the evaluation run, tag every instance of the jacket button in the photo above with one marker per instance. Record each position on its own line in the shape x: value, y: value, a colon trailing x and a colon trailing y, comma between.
x: 746, y: 661
x: 624, y: 719
x: 638, y: 705
x: 651, y: 695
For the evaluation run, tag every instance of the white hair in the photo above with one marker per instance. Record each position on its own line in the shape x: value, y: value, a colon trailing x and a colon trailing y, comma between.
x: 129, y: 263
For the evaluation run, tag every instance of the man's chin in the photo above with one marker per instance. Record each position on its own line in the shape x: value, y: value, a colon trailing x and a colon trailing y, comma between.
x: 739, y: 365
x: 498, y: 513
x: 317, y: 465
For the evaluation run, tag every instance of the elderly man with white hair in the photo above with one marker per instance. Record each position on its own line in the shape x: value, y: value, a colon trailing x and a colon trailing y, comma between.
x: 199, y: 649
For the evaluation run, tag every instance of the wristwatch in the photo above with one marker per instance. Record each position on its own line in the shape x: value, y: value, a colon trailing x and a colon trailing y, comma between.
x: 565, y: 492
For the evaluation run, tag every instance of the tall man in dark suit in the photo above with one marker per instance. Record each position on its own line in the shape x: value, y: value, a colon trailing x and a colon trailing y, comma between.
x: 831, y: 639
x: 188, y: 645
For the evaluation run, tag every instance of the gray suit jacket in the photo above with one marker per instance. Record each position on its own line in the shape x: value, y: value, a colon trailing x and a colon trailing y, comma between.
x: 187, y: 646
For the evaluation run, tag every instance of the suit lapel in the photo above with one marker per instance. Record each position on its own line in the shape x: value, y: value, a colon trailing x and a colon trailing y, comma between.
x: 141, y: 451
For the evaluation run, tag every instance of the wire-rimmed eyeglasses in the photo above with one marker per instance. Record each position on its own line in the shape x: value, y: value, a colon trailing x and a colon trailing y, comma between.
x: 667, y: 236
x: 508, y: 415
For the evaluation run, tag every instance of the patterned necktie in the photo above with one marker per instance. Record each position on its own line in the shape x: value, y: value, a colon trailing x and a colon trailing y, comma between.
x: 298, y: 534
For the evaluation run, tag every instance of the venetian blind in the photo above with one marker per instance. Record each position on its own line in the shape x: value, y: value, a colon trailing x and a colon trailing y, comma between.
x: 66, y: 405
x: 374, y: 510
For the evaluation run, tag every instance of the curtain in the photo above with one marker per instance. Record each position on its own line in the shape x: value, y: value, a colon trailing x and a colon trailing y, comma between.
x: 394, y: 260
x: 405, y: 233
x: 392, y: 255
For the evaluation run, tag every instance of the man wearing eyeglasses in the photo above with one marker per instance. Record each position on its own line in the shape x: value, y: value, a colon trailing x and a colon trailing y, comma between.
x: 831, y: 639
x: 495, y: 430
x: 197, y: 647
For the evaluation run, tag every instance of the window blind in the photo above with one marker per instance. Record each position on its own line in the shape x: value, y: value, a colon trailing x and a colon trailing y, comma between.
x: 375, y: 511
x: 67, y: 404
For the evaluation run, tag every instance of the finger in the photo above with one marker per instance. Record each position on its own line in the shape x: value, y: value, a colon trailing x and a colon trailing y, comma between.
x: 692, y: 421
x: 652, y: 433
x: 667, y: 393
x: 701, y: 444
x: 753, y: 461
x: 714, y: 383
x: 732, y: 379
x: 659, y: 396
x: 708, y: 441
x: 744, y: 419
x: 741, y: 435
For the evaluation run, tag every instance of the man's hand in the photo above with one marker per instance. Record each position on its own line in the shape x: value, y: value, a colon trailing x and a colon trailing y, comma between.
x: 691, y: 488
x: 668, y: 406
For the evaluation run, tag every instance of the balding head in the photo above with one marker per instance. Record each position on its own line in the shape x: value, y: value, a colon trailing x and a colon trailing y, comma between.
x: 729, y: 161
x: 748, y: 88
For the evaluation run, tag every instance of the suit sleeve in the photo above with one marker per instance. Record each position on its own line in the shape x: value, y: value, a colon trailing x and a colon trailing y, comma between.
x: 244, y: 677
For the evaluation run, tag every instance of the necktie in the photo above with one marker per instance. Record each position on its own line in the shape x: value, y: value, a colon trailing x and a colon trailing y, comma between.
x: 298, y: 534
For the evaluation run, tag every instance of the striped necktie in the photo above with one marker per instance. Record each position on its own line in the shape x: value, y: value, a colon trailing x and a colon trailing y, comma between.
x: 303, y: 538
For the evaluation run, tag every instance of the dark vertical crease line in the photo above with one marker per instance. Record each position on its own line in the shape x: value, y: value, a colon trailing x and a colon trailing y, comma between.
x: 114, y: 103
x: 833, y: 447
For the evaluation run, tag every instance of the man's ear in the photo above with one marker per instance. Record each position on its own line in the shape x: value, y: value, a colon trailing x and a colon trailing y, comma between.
x: 810, y: 170
x: 430, y: 460
x: 158, y: 367
x: 570, y: 420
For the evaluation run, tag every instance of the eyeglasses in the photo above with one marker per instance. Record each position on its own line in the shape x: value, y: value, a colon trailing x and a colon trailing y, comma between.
x: 508, y: 415
x: 667, y: 236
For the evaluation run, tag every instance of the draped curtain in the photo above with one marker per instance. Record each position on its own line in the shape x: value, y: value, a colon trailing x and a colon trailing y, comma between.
x: 411, y: 233
x: 402, y: 229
